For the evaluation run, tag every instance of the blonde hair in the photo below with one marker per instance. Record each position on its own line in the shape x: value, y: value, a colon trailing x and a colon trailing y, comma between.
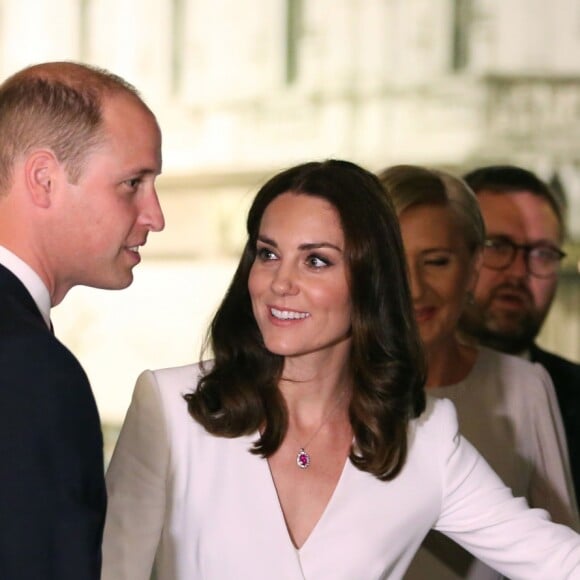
x: 411, y: 185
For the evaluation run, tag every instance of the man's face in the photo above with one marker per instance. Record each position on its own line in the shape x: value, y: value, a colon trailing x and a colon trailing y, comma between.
x: 510, y: 305
x: 106, y: 216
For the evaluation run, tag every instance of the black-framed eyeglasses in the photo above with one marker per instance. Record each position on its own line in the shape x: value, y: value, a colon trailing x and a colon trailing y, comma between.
x: 542, y: 259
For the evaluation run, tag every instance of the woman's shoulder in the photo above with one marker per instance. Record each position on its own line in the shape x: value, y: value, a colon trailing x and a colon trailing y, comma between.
x: 182, y: 379
x: 160, y: 395
x: 522, y: 377
x: 185, y: 376
x: 438, y: 417
x: 490, y: 358
x: 433, y: 438
x: 170, y: 385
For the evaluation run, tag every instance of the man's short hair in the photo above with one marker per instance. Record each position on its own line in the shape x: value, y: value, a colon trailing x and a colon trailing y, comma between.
x: 57, y: 106
x: 510, y: 179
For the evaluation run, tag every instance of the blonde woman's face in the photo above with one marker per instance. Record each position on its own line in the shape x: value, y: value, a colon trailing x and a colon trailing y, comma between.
x: 441, y: 268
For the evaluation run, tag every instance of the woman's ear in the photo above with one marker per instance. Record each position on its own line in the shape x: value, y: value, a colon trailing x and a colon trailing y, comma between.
x: 41, y: 170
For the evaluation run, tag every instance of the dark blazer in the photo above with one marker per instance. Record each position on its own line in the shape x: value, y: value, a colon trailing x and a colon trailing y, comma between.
x: 52, y: 494
x: 566, y: 378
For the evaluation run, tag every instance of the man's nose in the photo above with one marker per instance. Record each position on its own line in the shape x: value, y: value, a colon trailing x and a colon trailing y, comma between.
x: 152, y: 214
x: 519, y: 266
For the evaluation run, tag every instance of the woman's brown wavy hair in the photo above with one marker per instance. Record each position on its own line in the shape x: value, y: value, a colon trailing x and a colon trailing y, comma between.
x: 238, y: 394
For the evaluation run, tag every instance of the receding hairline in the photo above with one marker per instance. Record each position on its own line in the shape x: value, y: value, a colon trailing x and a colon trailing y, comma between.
x: 62, y: 106
x: 78, y: 76
x: 85, y: 79
x: 71, y: 73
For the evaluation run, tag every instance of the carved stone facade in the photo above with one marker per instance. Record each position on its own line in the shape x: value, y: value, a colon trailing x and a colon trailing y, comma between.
x: 243, y: 89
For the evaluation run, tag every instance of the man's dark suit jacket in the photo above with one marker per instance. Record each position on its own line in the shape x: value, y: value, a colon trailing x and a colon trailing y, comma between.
x: 52, y: 493
x: 566, y: 378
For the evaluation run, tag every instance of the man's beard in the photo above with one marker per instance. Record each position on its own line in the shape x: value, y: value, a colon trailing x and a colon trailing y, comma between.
x: 509, y: 332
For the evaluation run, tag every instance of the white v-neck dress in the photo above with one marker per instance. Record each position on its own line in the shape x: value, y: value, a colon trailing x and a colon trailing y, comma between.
x: 192, y: 506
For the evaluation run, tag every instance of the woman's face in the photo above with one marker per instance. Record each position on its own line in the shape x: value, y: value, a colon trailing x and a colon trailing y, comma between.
x: 299, y: 281
x: 441, y: 270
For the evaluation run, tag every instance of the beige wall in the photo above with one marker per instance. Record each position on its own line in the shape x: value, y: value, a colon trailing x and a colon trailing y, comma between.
x: 375, y: 83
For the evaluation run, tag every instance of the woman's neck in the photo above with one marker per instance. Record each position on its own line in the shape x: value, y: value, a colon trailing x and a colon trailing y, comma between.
x: 311, y: 391
x: 449, y: 362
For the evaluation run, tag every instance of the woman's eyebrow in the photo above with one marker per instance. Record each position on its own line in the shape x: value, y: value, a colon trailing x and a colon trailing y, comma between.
x: 306, y: 246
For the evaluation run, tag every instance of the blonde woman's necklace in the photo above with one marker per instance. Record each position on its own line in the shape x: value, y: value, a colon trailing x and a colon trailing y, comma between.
x: 303, y: 459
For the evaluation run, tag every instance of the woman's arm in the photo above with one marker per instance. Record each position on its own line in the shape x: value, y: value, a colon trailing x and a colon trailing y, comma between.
x: 480, y: 513
x: 136, y: 481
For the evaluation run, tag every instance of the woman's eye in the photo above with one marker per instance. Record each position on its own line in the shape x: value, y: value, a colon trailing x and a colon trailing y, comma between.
x: 317, y: 262
x: 265, y: 254
x: 443, y: 261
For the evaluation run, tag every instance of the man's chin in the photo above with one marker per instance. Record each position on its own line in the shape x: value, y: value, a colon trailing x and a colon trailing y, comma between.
x: 117, y: 283
x: 510, y: 334
x: 122, y: 284
x: 509, y: 338
x: 508, y: 344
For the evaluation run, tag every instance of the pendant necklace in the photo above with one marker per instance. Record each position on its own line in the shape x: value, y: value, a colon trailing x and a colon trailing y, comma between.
x: 303, y: 457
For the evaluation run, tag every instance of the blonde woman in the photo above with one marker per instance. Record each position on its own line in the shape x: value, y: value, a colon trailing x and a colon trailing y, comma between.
x: 506, y: 406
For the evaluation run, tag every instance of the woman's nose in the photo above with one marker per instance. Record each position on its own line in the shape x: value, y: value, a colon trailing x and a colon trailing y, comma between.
x: 284, y: 281
x: 416, y: 284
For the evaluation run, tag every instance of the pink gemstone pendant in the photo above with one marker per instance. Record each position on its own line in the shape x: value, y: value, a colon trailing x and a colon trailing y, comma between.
x: 302, y: 459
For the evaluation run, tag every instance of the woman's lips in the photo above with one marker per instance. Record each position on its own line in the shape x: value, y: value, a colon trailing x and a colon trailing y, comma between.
x: 285, y: 317
x: 424, y: 313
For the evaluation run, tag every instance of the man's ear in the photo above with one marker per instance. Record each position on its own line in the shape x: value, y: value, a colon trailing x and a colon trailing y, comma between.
x: 41, y: 174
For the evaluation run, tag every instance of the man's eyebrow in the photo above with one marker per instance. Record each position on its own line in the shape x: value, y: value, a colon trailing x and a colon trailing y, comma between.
x: 144, y: 171
x: 507, y: 238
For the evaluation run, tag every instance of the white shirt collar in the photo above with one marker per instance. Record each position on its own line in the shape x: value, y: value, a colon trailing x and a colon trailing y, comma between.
x: 30, y: 279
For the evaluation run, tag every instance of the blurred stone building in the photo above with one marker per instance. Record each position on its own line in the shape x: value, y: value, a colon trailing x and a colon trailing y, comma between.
x: 245, y: 88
